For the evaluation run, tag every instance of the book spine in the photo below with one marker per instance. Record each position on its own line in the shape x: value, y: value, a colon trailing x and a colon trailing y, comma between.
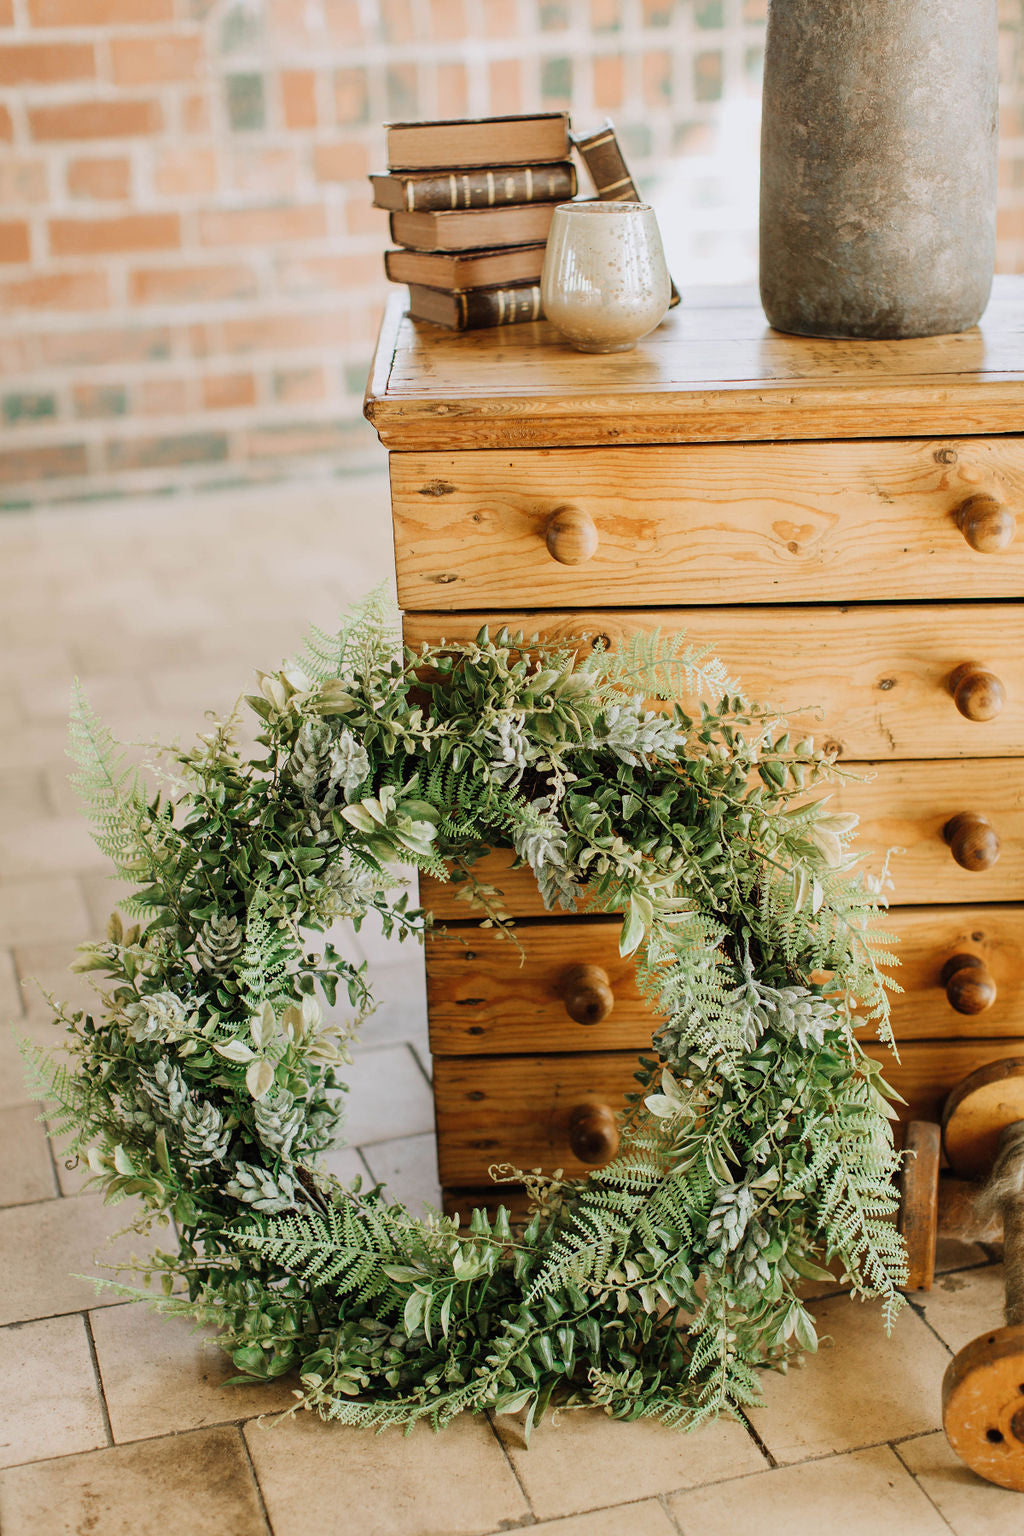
x: 489, y: 229
x: 490, y: 189
x: 606, y: 165
x: 479, y: 307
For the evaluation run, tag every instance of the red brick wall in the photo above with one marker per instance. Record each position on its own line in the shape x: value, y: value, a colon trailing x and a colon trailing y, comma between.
x: 190, y: 271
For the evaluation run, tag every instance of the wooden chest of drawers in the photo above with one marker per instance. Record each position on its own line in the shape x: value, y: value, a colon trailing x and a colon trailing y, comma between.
x: 837, y: 520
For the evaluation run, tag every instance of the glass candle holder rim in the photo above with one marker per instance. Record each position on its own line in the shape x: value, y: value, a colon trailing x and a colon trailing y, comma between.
x: 597, y: 205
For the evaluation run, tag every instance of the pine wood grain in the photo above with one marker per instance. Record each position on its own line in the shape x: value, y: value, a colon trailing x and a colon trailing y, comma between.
x: 713, y: 371
x: 516, y: 1109
x: 482, y: 1002
x: 718, y: 465
x: 751, y: 522
x: 870, y: 682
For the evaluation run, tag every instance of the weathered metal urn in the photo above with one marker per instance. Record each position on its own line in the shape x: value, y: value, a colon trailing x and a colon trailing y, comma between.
x: 878, y: 166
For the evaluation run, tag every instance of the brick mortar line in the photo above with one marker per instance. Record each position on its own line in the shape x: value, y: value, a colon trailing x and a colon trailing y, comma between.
x: 581, y: 48
x: 320, y: 468
x: 131, y: 426
x: 332, y: 52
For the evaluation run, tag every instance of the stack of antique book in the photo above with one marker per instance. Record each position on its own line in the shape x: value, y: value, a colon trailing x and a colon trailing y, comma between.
x: 471, y: 203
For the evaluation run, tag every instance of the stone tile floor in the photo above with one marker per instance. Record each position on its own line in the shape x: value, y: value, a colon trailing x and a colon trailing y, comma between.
x: 112, y: 1420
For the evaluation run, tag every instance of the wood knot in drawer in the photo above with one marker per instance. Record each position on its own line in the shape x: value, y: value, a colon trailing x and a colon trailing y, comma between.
x: 437, y: 488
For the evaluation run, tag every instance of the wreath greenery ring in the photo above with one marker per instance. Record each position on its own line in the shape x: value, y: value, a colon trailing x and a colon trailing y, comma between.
x: 757, y: 1148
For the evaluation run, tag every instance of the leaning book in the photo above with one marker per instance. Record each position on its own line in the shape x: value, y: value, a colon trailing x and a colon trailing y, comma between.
x: 602, y: 155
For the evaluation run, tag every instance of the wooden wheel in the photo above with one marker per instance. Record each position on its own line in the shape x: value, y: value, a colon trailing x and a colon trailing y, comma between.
x: 918, y: 1217
x: 977, y: 1111
x: 983, y: 1406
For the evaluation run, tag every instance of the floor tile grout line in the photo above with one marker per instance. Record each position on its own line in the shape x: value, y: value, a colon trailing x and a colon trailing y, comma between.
x: 670, y: 1514
x: 756, y: 1437
x: 919, y: 1434
x: 894, y: 1447
x: 52, y: 1199
x: 94, y: 1353
x: 60, y: 1195
x: 247, y: 1453
x: 409, y: 1045
x: 921, y: 1312
x: 162, y: 1434
x: 511, y: 1465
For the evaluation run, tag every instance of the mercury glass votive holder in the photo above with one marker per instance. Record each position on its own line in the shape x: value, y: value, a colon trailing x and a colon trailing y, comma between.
x: 605, y: 283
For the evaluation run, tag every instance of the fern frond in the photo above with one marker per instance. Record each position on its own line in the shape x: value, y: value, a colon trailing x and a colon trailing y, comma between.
x: 113, y: 794
x: 664, y: 667
x: 368, y: 641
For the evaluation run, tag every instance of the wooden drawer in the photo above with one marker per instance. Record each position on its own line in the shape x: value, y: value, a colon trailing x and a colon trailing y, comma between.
x: 872, y: 682
x: 519, y: 1109
x: 743, y: 522
x: 905, y: 807
x: 912, y: 808
x: 482, y: 1002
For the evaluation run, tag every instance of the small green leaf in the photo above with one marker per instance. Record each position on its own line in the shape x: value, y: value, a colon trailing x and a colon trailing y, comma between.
x: 234, y: 1050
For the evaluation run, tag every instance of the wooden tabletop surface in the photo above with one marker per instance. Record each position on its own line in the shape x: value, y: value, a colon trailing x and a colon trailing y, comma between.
x: 713, y: 371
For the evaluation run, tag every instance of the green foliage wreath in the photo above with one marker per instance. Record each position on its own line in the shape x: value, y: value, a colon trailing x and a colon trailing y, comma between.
x: 757, y: 1148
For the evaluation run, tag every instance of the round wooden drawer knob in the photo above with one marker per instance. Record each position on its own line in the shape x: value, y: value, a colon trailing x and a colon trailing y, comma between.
x: 587, y: 994
x: 593, y: 1133
x: 973, y: 841
x: 571, y: 536
x: 968, y: 983
x: 986, y: 524
x: 977, y: 693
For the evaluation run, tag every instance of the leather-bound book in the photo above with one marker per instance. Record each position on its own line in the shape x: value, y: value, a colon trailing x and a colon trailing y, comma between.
x: 606, y: 165
x: 467, y: 269
x: 472, y: 309
x: 443, y: 190
x: 488, y: 141
x: 467, y: 229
